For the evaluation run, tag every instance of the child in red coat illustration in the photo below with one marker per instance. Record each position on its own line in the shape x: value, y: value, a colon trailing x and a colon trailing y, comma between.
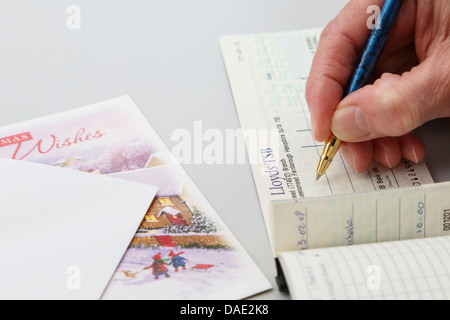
x: 159, y: 267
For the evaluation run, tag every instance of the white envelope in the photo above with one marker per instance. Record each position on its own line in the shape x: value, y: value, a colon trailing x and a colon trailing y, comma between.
x: 63, y: 232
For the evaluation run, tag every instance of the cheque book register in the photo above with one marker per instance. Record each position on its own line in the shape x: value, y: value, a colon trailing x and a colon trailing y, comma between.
x: 354, y: 262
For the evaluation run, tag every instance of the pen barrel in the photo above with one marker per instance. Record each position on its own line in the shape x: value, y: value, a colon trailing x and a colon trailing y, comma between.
x: 374, y: 47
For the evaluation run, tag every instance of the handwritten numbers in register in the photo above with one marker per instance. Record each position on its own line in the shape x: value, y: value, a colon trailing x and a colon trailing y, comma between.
x: 302, y: 243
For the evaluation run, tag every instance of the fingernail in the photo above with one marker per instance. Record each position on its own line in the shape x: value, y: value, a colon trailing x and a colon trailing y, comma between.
x: 349, y: 123
x: 312, y: 127
x: 349, y: 156
x: 387, y: 159
x: 416, y: 160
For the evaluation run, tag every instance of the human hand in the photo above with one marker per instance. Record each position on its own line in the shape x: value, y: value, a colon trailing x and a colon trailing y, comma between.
x: 412, y: 83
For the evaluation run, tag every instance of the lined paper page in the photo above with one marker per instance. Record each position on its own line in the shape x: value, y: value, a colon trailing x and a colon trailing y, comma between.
x: 410, y: 269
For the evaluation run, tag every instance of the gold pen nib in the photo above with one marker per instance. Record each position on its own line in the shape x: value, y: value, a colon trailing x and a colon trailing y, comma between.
x: 330, y: 149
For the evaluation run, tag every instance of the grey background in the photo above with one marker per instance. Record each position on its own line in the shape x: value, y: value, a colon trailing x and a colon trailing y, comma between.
x: 165, y: 55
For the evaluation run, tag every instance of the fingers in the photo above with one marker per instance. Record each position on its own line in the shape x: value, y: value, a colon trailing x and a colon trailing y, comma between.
x: 386, y: 151
x: 358, y: 155
x: 337, y: 54
x: 412, y: 148
x: 378, y: 119
x: 339, y: 50
x: 395, y: 105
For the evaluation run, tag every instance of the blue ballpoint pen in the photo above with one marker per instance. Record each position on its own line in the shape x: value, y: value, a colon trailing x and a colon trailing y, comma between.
x: 363, y: 72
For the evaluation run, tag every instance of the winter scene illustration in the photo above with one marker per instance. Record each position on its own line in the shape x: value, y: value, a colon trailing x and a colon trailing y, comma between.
x: 179, y: 243
x: 179, y: 249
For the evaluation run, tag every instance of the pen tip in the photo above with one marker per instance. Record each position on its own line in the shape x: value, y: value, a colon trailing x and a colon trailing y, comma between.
x: 318, y: 177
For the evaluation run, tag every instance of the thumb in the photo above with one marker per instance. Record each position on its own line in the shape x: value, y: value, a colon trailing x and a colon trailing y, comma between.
x: 394, y: 105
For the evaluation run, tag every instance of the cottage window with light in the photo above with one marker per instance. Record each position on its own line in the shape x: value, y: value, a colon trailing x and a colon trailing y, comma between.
x: 150, y: 218
x: 165, y: 201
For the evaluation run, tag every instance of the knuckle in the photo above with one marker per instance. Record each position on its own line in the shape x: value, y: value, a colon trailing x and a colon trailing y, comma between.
x: 398, y: 114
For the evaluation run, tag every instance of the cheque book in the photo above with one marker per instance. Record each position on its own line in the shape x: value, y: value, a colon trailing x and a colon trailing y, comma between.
x: 267, y: 74
x: 379, y: 245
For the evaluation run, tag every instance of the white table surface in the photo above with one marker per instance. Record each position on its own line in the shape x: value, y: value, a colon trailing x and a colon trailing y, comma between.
x: 165, y: 55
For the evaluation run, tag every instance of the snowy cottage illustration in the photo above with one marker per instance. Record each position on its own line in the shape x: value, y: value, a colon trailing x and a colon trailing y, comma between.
x: 171, y: 221
x: 167, y: 211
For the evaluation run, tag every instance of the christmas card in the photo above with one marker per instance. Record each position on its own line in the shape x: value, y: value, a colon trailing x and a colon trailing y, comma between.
x: 181, y: 249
